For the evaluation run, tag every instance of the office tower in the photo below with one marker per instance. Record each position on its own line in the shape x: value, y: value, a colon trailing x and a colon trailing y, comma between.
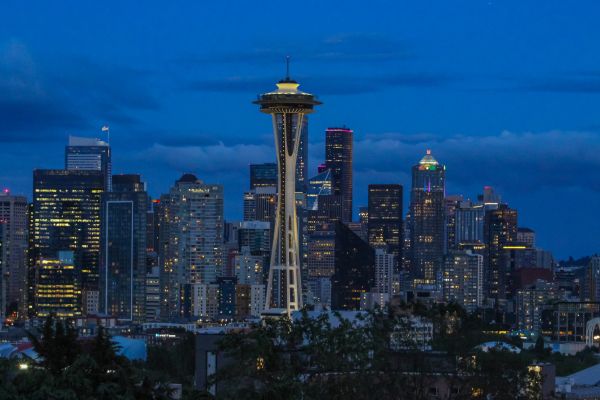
x: 191, y: 239
x: 385, y: 219
x: 526, y: 236
x: 89, y: 154
x: 427, y: 218
x: 13, y: 217
x: 263, y: 175
x: 385, y: 267
x: 500, y: 229
x: 451, y: 204
x: 123, y: 250
x: 363, y: 215
x: 260, y: 204
x: 321, y: 252
x: 226, y: 297
x: 468, y: 223
x: 57, y: 286
x: 531, y: 302
x: 354, y: 269
x: 152, y: 289
x: 255, y: 235
x: 3, y: 284
x: 318, y: 185
x: 205, y: 300
x: 248, y: 268
x: 338, y: 159
x: 66, y: 216
x: 489, y: 197
x: 288, y: 107
x: 302, y: 158
x: 590, y: 290
x: 463, y: 279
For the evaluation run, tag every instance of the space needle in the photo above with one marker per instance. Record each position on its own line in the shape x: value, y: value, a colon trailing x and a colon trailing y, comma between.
x: 288, y: 107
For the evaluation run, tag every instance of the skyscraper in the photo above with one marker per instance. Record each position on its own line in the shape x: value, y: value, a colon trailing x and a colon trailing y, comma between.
x: 57, y: 288
x: 338, y: 158
x: 124, y: 243
x: 89, y: 154
x: 463, y: 279
x: 288, y: 107
x: 427, y: 218
x: 385, y: 219
x: 13, y: 217
x: 66, y: 217
x: 500, y: 229
x: 191, y: 239
x: 263, y: 175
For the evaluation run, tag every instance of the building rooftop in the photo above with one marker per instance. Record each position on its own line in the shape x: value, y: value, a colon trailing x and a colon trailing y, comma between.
x: 428, y: 159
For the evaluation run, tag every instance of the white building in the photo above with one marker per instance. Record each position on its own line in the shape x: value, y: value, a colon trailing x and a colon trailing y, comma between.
x: 205, y: 300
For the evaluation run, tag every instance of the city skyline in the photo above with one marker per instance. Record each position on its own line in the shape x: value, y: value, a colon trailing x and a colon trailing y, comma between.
x: 522, y: 121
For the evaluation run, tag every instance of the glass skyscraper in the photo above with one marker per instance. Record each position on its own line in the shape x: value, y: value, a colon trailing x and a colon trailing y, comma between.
x: 385, y: 219
x: 66, y: 217
x: 123, y: 261
x: 89, y: 154
x: 427, y: 222
x: 338, y: 158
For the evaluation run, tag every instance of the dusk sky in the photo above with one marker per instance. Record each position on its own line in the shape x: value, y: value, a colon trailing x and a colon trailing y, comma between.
x: 505, y: 93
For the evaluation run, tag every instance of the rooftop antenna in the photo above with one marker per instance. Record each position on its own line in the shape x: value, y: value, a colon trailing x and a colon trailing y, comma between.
x: 287, y: 68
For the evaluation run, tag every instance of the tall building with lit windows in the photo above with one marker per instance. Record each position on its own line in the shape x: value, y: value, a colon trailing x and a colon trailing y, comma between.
x: 123, y: 250
x: 385, y: 219
x: 338, y: 159
x: 427, y: 221
x: 288, y: 108
x: 500, y: 229
x: 463, y: 279
x: 89, y: 154
x: 13, y: 258
x: 263, y: 175
x: 66, y: 216
x: 58, y: 289
x: 191, y: 239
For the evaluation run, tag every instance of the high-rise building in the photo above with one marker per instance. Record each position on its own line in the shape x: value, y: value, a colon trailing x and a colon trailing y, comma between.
x: 338, y: 159
x: 451, y: 204
x: 152, y: 288
x: 288, y: 107
x: 526, y: 235
x: 66, y: 217
x: 354, y: 269
x: 260, y: 204
x: 385, y: 267
x: 500, y: 229
x: 385, y: 219
x: 226, y: 297
x: 3, y: 284
x: 302, y: 159
x: 57, y: 286
x: 468, y: 223
x: 463, y: 279
x: 89, y: 154
x: 249, y: 268
x: 124, y: 244
x: 531, y: 302
x: 191, y: 239
x: 13, y: 217
x: 319, y: 185
x: 263, y: 175
x: 427, y: 218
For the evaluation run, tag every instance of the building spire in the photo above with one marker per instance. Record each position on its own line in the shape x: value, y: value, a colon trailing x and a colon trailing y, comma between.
x: 287, y: 68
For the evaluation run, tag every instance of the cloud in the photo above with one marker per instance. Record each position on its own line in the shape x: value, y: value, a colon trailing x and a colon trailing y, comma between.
x: 326, y: 84
x: 516, y: 161
x: 355, y: 47
x: 214, y: 158
x: 582, y: 82
x: 39, y: 103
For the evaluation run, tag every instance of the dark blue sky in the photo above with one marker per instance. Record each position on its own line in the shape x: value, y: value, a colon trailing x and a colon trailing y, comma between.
x: 505, y: 93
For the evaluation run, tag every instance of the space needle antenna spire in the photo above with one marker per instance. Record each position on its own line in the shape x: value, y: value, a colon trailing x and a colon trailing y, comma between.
x: 287, y: 67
